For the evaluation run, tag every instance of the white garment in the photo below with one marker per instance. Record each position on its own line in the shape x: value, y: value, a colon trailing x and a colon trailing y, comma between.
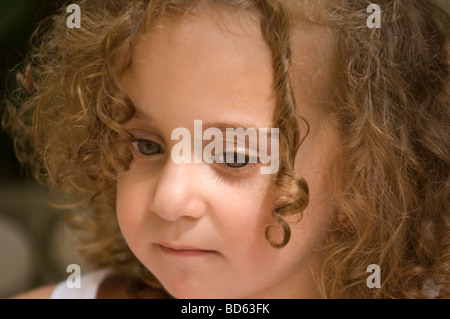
x: 90, y: 283
x: 88, y: 289
x: 431, y: 290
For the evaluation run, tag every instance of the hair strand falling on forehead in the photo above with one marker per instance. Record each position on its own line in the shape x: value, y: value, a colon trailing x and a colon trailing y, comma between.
x: 293, y: 196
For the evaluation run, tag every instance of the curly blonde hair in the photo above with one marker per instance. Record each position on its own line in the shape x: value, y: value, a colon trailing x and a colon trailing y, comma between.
x: 389, y: 94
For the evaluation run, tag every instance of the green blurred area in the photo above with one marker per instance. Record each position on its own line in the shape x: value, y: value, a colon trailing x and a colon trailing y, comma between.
x: 27, y: 225
x: 18, y: 20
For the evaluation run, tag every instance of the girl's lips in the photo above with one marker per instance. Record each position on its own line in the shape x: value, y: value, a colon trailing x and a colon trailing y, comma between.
x: 183, y: 251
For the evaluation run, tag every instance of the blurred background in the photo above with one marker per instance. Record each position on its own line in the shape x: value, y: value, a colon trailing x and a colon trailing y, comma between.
x: 34, y: 249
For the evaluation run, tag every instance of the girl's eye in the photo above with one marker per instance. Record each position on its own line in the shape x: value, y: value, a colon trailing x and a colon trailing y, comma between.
x: 232, y: 160
x: 147, y: 147
x: 238, y: 164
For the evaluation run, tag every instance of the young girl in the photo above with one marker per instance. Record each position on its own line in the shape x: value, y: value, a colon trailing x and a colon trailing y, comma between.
x: 359, y: 204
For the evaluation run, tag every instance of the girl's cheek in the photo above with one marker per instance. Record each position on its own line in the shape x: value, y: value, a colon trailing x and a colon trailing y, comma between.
x: 253, y: 201
x: 129, y: 194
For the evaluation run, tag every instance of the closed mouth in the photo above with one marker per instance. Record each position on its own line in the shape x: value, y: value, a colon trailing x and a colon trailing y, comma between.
x: 182, y: 250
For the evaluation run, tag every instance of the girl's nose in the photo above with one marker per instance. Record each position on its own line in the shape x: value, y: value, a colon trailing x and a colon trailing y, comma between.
x: 179, y: 192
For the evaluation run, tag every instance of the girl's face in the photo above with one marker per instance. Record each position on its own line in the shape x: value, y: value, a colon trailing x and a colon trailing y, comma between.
x: 199, y: 227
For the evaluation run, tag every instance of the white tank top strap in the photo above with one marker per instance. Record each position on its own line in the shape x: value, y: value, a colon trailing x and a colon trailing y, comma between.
x: 88, y: 289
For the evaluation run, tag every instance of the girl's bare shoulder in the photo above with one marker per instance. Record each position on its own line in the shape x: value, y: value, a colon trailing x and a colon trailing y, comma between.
x: 43, y: 292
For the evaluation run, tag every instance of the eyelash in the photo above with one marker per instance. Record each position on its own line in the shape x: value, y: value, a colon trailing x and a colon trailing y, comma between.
x: 138, y: 153
x: 239, y: 170
x: 233, y: 170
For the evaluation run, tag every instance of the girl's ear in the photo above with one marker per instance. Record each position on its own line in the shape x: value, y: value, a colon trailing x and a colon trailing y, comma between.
x: 342, y: 218
x: 340, y: 215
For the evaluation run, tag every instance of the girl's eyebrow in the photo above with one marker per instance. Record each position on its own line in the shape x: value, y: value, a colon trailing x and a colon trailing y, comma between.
x: 138, y: 114
x: 223, y: 126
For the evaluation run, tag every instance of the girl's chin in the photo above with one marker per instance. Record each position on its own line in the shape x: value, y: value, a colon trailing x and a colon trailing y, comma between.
x: 188, y: 292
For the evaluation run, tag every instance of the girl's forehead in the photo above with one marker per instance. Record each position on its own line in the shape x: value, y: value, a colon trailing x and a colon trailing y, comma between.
x: 233, y: 21
x: 192, y: 63
x: 188, y: 43
x: 232, y: 38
